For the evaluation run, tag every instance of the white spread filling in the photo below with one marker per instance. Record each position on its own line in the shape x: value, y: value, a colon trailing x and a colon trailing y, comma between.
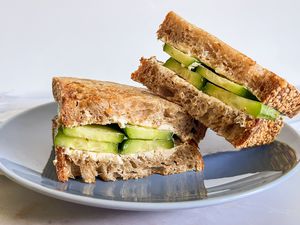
x: 120, y: 120
x: 166, y: 127
x: 96, y: 156
x: 194, y: 65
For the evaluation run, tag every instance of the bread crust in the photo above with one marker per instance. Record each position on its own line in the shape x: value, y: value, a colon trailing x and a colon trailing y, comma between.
x: 83, y: 101
x: 240, y: 129
x: 185, y: 157
x: 269, y: 88
x: 62, y: 165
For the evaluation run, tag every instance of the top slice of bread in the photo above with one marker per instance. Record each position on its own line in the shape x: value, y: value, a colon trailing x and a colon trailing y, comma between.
x: 83, y: 101
x: 269, y: 88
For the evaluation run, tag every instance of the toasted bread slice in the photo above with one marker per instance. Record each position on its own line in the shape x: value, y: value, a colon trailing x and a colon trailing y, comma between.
x: 83, y: 101
x: 240, y: 129
x: 269, y: 88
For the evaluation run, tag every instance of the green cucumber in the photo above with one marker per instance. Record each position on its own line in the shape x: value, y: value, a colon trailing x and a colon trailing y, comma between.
x: 95, y: 132
x: 186, y: 60
x: 83, y: 144
x: 192, y: 77
x: 224, y: 83
x: 137, y: 146
x: 145, y: 133
x: 251, y: 107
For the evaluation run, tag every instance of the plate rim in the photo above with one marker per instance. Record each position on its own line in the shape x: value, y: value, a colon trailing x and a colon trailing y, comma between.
x: 138, y: 206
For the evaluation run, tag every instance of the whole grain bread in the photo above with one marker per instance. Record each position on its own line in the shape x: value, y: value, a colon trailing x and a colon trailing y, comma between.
x: 182, y: 158
x: 83, y: 101
x: 269, y: 88
x: 240, y: 129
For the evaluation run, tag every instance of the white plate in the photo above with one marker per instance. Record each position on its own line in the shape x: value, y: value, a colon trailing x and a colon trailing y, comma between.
x: 25, y: 157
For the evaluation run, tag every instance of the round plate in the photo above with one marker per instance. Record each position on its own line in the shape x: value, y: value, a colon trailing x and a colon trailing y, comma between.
x: 26, y: 157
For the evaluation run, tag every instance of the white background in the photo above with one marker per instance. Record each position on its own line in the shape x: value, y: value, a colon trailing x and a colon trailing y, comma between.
x: 104, y: 40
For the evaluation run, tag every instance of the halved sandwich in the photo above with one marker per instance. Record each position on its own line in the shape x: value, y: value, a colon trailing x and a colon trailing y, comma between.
x: 116, y: 131
x: 217, y: 85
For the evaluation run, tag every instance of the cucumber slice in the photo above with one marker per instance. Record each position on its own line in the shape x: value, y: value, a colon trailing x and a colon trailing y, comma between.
x: 63, y: 140
x: 136, y: 146
x: 190, y: 76
x: 224, y: 83
x: 145, y: 133
x: 186, y: 60
x: 95, y: 132
x: 254, y: 108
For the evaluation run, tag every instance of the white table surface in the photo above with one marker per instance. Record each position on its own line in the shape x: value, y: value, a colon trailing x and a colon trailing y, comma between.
x: 104, y: 40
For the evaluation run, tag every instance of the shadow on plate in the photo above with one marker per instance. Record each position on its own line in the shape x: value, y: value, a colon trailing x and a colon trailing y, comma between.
x: 276, y: 156
x: 260, y: 162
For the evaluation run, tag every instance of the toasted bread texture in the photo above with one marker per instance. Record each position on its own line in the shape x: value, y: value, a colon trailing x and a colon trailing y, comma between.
x: 269, y: 88
x: 109, y: 167
x: 240, y: 129
x: 83, y: 101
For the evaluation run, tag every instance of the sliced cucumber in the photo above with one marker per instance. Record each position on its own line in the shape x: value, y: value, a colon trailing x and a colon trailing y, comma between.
x: 181, y: 57
x: 136, y: 146
x: 224, y: 83
x: 254, y: 108
x: 190, y: 76
x: 145, y: 133
x: 83, y: 144
x: 95, y: 132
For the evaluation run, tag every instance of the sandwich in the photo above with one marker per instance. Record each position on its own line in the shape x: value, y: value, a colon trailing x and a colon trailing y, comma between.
x: 222, y: 88
x: 115, y: 131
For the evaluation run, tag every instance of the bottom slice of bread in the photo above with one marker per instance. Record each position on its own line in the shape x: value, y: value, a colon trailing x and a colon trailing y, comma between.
x: 240, y: 129
x: 109, y: 167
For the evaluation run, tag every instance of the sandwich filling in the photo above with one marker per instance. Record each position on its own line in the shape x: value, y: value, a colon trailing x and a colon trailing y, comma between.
x: 213, y: 84
x: 113, y: 140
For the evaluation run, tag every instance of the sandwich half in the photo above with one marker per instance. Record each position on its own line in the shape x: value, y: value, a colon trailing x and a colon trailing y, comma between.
x: 114, y: 131
x: 217, y: 85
